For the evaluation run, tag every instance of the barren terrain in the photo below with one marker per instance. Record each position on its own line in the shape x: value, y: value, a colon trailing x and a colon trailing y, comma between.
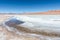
x: 8, y: 35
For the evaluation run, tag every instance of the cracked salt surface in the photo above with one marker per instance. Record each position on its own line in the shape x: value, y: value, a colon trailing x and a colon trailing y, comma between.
x: 6, y: 35
x: 2, y: 36
x: 21, y: 37
x: 24, y: 36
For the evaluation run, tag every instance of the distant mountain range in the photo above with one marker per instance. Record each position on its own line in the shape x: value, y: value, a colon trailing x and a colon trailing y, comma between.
x: 51, y: 12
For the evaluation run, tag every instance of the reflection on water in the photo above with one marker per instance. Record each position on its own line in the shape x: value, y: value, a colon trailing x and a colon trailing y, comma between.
x: 13, y: 22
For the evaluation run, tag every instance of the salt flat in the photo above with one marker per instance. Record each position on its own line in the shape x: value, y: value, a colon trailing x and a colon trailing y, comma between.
x: 6, y: 35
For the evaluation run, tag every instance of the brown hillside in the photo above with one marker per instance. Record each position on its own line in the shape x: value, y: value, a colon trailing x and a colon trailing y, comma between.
x: 53, y: 12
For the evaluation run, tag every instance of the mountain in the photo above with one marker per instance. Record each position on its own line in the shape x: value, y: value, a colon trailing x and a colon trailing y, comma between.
x: 51, y: 12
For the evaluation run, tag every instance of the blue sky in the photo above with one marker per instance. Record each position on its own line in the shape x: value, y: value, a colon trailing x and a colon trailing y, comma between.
x: 19, y: 6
